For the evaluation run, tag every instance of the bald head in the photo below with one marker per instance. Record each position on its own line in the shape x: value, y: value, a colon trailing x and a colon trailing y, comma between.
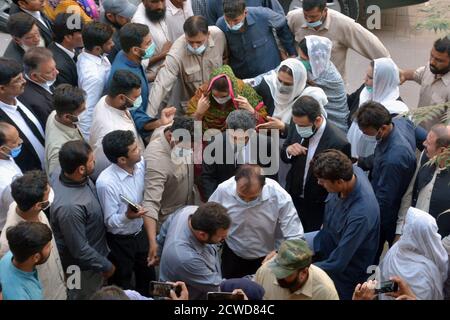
x: 249, y: 182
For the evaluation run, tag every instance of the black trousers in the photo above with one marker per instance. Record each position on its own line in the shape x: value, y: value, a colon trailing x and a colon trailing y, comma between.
x: 234, y: 266
x: 129, y: 254
x: 310, y: 214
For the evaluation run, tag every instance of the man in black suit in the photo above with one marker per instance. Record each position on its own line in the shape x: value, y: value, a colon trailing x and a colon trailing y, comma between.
x: 25, y: 35
x: 309, y: 134
x: 240, y: 144
x: 67, y: 40
x: 40, y: 74
x: 12, y: 111
x: 33, y: 9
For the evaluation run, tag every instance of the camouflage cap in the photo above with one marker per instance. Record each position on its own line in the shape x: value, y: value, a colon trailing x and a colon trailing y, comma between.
x: 293, y: 255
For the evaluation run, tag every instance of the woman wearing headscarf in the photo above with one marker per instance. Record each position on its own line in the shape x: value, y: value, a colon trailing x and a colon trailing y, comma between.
x: 315, y: 54
x: 381, y: 85
x: 418, y: 257
x: 214, y: 100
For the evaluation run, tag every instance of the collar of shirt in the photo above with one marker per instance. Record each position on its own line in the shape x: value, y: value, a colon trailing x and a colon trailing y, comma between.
x: 122, y: 174
x: 445, y: 78
x: 64, y: 128
x: 316, y: 138
x: 306, y: 289
x: 123, y: 57
x: 9, y: 106
x: 383, y: 144
x: 71, y: 54
x: 250, y: 18
x: 174, y: 10
x: 35, y: 14
x: 70, y: 183
x: 98, y: 60
x: 42, y: 85
x: 325, y: 24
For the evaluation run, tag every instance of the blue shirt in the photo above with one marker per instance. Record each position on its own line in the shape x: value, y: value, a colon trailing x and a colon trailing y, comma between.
x: 18, y: 284
x: 347, y: 244
x: 253, y: 49
x: 215, y: 8
x: 394, y: 164
x: 140, y: 116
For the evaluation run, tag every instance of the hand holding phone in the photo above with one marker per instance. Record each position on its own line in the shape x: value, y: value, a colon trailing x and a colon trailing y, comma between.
x: 162, y: 289
x: 386, y: 287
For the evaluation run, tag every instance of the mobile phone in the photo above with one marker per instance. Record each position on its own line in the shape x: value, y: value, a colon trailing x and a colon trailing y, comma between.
x: 387, y: 286
x: 224, y: 296
x: 162, y: 289
x: 130, y: 203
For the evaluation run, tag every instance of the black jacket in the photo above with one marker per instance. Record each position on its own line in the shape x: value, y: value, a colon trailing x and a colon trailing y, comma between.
x: 28, y: 159
x: 216, y: 173
x: 66, y: 66
x: 314, y: 195
x: 38, y: 100
x: 14, y: 51
x: 45, y: 30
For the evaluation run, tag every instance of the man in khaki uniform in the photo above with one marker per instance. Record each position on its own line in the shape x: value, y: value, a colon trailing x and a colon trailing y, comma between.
x: 192, y: 58
x: 316, y: 19
x: 291, y: 276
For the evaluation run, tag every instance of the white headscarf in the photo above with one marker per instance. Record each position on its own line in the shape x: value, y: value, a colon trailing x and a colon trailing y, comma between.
x: 319, y: 53
x: 319, y: 95
x: 386, y: 80
x: 284, y: 102
x: 418, y: 257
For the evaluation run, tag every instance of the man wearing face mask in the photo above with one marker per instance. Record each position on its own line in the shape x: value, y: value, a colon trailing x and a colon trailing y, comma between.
x: 250, y: 36
x: 192, y: 58
x: 77, y: 220
x: 394, y: 164
x: 32, y: 194
x: 10, y: 148
x: 291, y: 276
x: 31, y: 245
x: 69, y: 103
x: 137, y: 45
x: 93, y: 68
x: 309, y: 134
x: 261, y: 212
x: 25, y: 35
x: 40, y: 73
x: 316, y: 19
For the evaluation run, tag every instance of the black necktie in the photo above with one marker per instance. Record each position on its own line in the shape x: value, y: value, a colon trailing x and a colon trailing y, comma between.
x: 32, y: 126
x: 301, y: 167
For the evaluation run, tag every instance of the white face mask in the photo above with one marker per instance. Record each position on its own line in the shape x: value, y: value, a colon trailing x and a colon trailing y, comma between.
x: 222, y: 100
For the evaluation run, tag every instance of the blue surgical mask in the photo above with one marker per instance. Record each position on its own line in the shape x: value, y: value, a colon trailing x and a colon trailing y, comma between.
x: 197, y: 51
x: 14, y: 153
x: 236, y: 27
x: 136, y: 104
x: 305, y: 132
x: 315, y: 24
x: 369, y: 89
x: 149, y: 52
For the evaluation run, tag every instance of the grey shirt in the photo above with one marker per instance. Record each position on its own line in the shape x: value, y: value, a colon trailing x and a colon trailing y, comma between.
x: 77, y: 222
x: 185, y: 259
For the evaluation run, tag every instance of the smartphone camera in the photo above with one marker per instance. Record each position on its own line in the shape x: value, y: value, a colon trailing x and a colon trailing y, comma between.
x: 387, y: 286
x: 162, y: 289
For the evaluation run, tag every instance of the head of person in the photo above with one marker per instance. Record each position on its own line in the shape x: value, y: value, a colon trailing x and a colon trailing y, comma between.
x: 250, y: 182
x: 155, y: 10
x: 98, y: 38
x: 24, y: 31
x: 234, y: 13
x: 304, y: 54
x: 125, y: 90
x: 118, y: 12
x: 110, y: 293
x: 374, y: 120
x: 136, y: 41
x: 10, y: 141
x: 210, y: 223
x: 252, y: 290
x: 220, y: 89
x: 121, y: 148
x: 69, y: 102
x: 291, y: 264
x: 40, y: 66
x: 333, y: 170
x: 291, y: 80
x: 181, y: 133
x: 440, y: 56
x: 438, y: 140
x: 30, y: 242
x: 77, y: 159
x: 315, y: 12
x: 30, y: 5
x: 66, y: 33
x: 12, y: 82
x: 241, y: 126
x: 31, y: 191
x: 307, y: 116
x: 196, y: 34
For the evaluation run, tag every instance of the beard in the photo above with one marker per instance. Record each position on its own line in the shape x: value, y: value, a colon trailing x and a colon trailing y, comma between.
x: 435, y: 70
x: 155, y: 16
x: 287, y: 285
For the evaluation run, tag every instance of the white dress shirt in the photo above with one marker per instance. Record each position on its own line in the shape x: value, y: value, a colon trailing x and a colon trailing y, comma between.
x: 106, y: 119
x: 93, y: 73
x: 71, y: 54
x: 175, y: 18
x: 15, y: 116
x: 8, y: 171
x: 113, y: 182
x: 255, y: 227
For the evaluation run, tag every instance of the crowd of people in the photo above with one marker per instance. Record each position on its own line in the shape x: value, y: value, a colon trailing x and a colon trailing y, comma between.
x: 295, y: 190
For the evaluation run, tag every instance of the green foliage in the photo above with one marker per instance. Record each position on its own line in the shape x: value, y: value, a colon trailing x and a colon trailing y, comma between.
x: 436, y: 18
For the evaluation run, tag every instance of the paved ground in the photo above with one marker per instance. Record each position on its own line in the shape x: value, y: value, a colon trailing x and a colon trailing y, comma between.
x: 408, y: 47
